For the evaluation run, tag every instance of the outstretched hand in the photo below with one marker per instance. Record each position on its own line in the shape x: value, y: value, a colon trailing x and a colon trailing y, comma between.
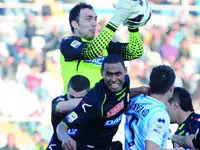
x: 139, y: 90
x: 68, y: 143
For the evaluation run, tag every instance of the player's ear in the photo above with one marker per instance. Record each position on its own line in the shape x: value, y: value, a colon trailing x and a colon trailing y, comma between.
x: 176, y: 104
x: 171, y: 89
x: 74, y: 24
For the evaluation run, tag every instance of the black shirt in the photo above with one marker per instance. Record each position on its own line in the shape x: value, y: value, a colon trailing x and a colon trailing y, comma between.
x: 98, y: 116
x: 190, y: 126
x: 56, y: 118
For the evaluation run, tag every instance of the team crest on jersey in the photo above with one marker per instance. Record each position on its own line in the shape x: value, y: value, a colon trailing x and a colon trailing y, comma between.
x: 71, y: 117
x: 75, y: 44
x: 161, y: 120
x: 116, y: 109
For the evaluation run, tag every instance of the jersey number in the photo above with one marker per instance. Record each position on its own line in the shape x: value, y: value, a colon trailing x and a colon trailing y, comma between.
x: 134, y: 120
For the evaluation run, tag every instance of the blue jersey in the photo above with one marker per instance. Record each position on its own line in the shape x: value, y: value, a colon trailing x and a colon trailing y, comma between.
x: 146, y: 119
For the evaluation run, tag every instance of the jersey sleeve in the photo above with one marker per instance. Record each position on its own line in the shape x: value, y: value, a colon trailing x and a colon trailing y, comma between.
x: 74, y: 49
x: 71, y: 48
x: 54, y: 104
x: 87, y: 109
x: 158, y: 128
x: 128, y: 51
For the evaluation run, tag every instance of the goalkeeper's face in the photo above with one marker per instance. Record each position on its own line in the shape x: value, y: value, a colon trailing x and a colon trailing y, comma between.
x: 86, y: 25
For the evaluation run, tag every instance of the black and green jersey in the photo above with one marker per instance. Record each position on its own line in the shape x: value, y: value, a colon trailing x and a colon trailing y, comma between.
x: 190, y: 126
x: 79, y: 56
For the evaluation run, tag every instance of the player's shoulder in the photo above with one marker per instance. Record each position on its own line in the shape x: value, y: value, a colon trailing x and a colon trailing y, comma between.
x: 96, y: 94
x: 71, y: 40
x: 195, y: 118
x: 196, y: 115
x: 58, y: 99
x: 160, y: 117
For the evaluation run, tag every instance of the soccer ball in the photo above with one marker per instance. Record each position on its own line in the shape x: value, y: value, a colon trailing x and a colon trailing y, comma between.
x: 142, y: 17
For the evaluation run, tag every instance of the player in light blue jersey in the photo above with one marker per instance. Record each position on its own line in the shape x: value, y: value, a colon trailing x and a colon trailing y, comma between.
x: 147, y: 121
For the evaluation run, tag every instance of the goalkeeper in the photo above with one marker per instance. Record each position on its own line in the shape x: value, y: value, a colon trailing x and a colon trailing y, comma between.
x: 83, y: 54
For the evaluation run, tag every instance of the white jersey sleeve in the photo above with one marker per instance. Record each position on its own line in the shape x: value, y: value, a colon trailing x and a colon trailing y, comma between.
x: 158, y: 128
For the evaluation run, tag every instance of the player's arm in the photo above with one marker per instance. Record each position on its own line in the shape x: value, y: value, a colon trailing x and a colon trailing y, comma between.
x: 75, y: 49
x: 95, y: 47
x: 129, y: 51
x: 139, y: 90
x: 60, y: 105
x: 187, y: 141
x: 153, y: 146
x: 86, y: 110
x: 67, y: 142
x: 65, y: 106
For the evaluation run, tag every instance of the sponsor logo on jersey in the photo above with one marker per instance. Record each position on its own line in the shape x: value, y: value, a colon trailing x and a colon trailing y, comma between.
x: 96, y: 61
x: 71, y: 117
x: 116, y: 109
x: 113, y: 122
x: 72, y: 132
x: 75, y: 44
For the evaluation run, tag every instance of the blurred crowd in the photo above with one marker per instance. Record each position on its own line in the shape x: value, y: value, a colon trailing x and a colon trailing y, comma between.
x: 30, y: 74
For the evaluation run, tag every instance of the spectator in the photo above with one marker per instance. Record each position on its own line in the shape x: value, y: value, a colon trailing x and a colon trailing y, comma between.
x: 11, y: 143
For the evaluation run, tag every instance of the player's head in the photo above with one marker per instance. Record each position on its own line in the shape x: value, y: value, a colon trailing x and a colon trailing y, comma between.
x: 180, y: 102
x: 162, y: 79
x: 113, y: 71
x: 83, y: 21
x: 78, y: 87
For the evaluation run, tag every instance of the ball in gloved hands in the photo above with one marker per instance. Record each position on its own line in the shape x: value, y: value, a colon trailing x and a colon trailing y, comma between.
x: 140, y: 18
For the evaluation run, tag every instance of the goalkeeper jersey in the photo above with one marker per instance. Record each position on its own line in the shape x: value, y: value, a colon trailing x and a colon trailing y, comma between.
x: 79, y: 56
x: 146, y: 119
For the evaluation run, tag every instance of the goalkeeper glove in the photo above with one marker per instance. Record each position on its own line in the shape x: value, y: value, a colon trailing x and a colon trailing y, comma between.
x: 123, y: 10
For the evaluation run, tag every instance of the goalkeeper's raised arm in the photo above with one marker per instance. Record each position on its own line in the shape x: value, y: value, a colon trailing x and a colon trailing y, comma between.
x: 83, y: 54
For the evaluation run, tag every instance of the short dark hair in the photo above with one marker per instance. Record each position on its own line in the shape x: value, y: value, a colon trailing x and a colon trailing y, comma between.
x: 79, y: 83
x: 162, y: 78
x: 182, y: 96
x: 112, y: 59
x: 75, y: 12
